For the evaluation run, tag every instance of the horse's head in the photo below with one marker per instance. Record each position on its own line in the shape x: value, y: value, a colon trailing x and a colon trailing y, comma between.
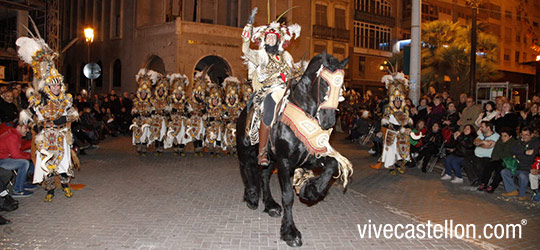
x: 326, y: 75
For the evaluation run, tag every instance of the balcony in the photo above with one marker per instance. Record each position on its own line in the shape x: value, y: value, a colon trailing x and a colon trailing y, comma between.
x: 329, y: 33
x: 373, y: 18
x: 324, y: 32
x: 341, y: 35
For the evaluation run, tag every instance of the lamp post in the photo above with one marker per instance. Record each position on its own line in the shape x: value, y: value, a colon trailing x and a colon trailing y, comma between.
x: 472, y: 77
x: 89, y: 36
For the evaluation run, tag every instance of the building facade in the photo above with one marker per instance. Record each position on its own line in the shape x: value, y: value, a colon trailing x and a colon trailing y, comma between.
x: 188, y: 35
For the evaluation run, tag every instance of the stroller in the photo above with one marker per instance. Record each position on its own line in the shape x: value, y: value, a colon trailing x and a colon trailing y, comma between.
x: 447, y: 136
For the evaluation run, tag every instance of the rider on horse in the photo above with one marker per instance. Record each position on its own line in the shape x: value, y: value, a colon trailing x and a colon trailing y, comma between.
x: 269, y: 68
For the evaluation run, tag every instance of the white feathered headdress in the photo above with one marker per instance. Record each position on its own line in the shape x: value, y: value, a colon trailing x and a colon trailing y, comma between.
x: 284, y: 33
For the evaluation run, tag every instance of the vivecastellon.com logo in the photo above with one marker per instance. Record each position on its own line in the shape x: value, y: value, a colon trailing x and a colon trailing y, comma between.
x: 447, y: 230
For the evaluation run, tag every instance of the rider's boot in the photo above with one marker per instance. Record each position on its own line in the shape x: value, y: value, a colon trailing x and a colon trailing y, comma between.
x: 262, y: 158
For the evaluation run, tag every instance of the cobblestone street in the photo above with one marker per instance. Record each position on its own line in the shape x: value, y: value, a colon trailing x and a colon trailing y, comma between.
x: 169, y: 202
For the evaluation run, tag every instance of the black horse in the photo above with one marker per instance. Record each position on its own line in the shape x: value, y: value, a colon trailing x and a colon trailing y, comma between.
x: 288, y: 152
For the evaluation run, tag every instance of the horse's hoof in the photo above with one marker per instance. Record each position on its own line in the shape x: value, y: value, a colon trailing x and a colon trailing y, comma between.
x: 296, y: 242
x: 251, y: 205
x: 274, y: 212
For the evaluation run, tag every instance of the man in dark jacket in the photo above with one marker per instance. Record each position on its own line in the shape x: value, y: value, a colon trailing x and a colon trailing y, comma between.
x: 8, y: 110
x: 525, y: 152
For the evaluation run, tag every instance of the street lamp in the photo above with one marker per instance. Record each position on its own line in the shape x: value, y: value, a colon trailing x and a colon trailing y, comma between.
x: 89, y: 36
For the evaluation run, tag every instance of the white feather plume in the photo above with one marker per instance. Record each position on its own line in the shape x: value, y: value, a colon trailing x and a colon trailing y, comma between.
x: 140, y: 74
x: 25, y: 117
x: 154, y: 76
x: 28, y: 48
x: 29, y: 92
x: 294, y: 29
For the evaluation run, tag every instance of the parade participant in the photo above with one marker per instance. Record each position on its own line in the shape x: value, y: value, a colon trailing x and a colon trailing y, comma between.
x: 214, y: 122
x: 246, y: 91
x: 396, y: 124
x: 141, y: 111
x: 50, y: 111
x: 269, y: 69
x: 180, y: 113
x: 160, y: 111
x: 232, y: 106
x: 195, y: 127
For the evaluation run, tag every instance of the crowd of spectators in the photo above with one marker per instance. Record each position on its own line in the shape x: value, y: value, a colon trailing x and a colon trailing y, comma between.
x: 101, y: 116
x: 492, y: 142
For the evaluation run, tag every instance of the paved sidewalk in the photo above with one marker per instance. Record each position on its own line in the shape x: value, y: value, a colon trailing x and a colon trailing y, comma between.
x: 169, y: 202
x: 425, y: 197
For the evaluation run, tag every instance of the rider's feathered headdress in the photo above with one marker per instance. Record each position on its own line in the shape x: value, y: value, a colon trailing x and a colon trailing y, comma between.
x: 284, y: 33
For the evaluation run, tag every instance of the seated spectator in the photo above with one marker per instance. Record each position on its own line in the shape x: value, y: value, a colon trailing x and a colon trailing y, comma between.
x: 488, y: 113
x: 531, y: 118
x: 7, y: 203
x: 485, y: 142
x: 534, y: 177
x: 361, y: 126
x: 420, y: 112
x: 525, y: 152
x: 419, y: 132
x: 435, y: 113
x: 124, y: 121
x: 8, y: 109
x: 500, y: 151
x: 469, y: 114
x: 451, y: 118
x: 12, y: 157
x: 431, y: 144
x: 507, y: 118
x: 460, y: 147
x: 462, y: 102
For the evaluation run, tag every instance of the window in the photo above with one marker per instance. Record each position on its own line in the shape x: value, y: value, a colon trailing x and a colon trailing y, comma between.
x: 517, y: 56
x: 378, y: 7
x: 518, y: 15
x: 372, y: 36
x: 116, y: 19
x: 340, y: 19
x: 320, y: 15
x: 518, y: 38
x: 508, y: 14
x: 362, y: 65
x: 535, y: 24
x: 319, y: 48
x: 506, y: 55
x: 117, y: 74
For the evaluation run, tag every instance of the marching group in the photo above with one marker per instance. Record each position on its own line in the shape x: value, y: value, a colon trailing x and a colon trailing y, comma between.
x: 491, y: 142
x: 164, y: 116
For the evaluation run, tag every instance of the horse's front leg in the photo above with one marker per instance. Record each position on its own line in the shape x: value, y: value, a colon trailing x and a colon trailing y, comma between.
x: 315, y: 188
x: 250, y: 176
x: 289, y: 232
x: 270, y: 206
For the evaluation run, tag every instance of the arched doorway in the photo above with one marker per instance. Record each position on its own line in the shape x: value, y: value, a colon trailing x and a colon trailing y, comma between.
x: 219, y: 71
x: 155, y: 63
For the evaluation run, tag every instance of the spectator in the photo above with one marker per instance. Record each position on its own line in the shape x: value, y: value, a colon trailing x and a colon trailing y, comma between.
x: 462, y: 102
x: 485, y: 142
x: 531, y: 118
x: 8, y: 110
x: 7, y: 203
x: 534, y: 176
x: 436, y: 113
x: 469, y: 113
x: 451, y: 118
x: 419, y: 132
x: 115, y: 105
x: 431, y: 144
x: 124, y: 121
x: 507, y: 118
x: 500, y: 151
x: 361, y: 126
x: 127, y: 102
x: 488, y: 113
x: 12, y: 157
x: 525, y: 152
x: 421, y: 112
x: 461, y: 147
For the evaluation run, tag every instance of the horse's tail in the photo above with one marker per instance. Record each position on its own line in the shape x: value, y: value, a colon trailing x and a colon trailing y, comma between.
x: 345, y: 167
